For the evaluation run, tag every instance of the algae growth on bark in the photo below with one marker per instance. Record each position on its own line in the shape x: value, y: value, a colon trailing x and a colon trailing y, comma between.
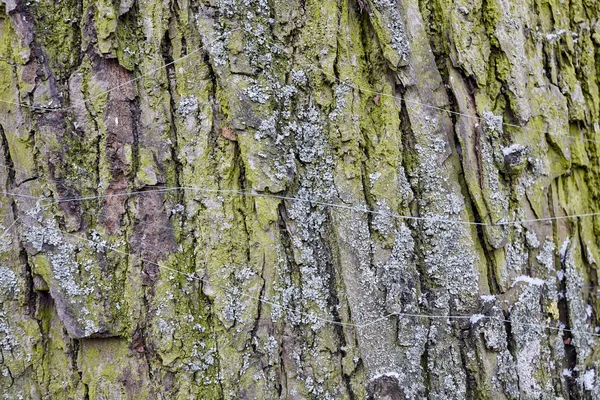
x: 203, y: 199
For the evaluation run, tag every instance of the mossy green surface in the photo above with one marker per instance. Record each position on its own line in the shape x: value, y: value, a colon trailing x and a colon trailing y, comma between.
x: 261, y: 276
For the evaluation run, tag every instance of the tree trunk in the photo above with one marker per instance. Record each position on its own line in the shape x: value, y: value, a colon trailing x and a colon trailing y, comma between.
x: 299, y: 199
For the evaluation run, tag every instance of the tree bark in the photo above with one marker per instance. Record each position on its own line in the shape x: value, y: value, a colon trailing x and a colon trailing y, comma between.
x: 299, y: 199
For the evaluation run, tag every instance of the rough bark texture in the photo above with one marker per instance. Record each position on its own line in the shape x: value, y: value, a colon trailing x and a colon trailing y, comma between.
x: 362, y: 104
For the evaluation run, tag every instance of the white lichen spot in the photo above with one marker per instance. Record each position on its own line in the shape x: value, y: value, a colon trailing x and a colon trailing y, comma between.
x: 177, y: 209
x: 493, y: 122
x: 488, y: 298
x: 257, y: 93
x: 299, y: 77
x: 529, y: 280
x: 589, y: 379
x: 187, y: 106
x: 5, y: 240
x: 8, y: 284
x: 563, y: 249
x: 475, y: 318
x: 532, y: 240
x: 341, y: 92
x: 546, y: 255
x: 513, y: 148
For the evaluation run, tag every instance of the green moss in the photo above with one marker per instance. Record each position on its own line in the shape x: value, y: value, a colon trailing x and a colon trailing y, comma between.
x: 57, y: 28
x: 127, y: 39
x: 492, y: 14
x: 106, y: 22
x: 220, y: 234
x: 41, y: 266
x: 357, y: 382
x: 588, y: 75
x: 147, y: 173
x: 21, y: 153
x: 503, y: 66
x: 7, y: 41
x: 223, y: 99
x: 108, y: 367
x: 50, y: 360
x: 11, y: 48
x: 385, y: 38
